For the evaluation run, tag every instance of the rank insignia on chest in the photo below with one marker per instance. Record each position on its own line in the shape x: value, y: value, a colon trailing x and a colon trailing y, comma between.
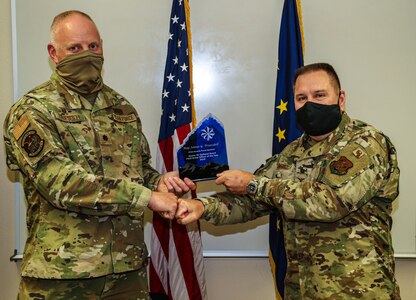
x: 358, y: 153
x: 341, y: 166
x: 32, y: 143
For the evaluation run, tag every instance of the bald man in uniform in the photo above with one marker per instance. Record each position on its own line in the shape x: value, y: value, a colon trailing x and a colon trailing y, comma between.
x: 86, y: 173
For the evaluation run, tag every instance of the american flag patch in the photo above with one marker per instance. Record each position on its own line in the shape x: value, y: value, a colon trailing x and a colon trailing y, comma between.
x: 20, y: 128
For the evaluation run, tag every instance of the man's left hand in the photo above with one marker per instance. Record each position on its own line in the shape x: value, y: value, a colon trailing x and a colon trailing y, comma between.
x: 171, y: 182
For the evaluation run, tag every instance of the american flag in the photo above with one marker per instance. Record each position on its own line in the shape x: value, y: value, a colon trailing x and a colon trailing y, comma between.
x: 176, y: 263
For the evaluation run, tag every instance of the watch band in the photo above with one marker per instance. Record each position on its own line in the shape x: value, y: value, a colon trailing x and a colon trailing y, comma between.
x: 252, y: 186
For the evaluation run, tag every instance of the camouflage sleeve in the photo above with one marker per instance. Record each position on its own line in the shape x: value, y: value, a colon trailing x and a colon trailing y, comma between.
x: 150, y: 175
x: 228, y: 208
x: 34, y: 147
x: 345, y: 183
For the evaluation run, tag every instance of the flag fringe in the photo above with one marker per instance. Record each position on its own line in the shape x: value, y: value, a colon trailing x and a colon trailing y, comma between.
x: 299, y: 9
x: 191, y: 74
x: 273, y: 269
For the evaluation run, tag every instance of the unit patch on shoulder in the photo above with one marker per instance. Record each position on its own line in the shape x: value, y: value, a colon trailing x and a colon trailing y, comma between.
x: 32, y: 143
x: 341, y: 166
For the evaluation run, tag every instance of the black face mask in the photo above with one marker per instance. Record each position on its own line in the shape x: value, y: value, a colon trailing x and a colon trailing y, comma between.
x: 318, y: 119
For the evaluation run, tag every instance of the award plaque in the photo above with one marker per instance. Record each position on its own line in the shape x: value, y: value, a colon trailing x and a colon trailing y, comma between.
x: 203, y: 153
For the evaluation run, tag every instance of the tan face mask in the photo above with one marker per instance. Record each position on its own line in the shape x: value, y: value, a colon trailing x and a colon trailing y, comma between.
x: 81, y: 72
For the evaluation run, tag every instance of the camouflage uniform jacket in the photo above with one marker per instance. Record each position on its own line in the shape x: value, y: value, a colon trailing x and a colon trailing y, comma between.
x: 87, y: 180
x: 336, y: 197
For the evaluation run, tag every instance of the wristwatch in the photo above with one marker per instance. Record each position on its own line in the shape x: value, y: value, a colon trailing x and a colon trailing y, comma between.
x: 252, y: 186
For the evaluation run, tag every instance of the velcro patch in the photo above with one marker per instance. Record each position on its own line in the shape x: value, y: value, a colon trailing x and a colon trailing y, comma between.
x: 341, y: 166
x: 125, y: 118
x: 347, y: 166
x: 20, y: 127
x: 71, y: 118
x: 358, y: 153
x: 32, y: 143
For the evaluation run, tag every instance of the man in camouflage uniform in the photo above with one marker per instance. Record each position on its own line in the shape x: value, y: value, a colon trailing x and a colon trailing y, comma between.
x: 86, y: 173
x: 334, y: 186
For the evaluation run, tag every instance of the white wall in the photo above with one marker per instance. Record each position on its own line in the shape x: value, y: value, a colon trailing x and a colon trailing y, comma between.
x: 9, y: 275
x: 371, y: 43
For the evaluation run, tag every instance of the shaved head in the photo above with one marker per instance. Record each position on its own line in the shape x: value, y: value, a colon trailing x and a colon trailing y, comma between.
x: 73, y: 32
x: 61, y: 17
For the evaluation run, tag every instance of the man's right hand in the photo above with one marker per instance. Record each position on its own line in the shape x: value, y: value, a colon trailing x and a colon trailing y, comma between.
x: 235, y: 181
x: 164, y: 203
x: 189, y: 210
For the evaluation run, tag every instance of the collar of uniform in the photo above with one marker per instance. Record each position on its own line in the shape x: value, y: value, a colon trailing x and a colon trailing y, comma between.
x: 312, y: 149
x: 339, y: 131
x: 72, y: 99
x: 106, y: 97
x: 76, y: 101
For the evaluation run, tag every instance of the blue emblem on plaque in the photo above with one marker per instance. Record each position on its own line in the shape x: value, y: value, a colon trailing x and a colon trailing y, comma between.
x: 203, y: 153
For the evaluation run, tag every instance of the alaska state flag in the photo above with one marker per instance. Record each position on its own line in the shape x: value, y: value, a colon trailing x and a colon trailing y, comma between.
x: 284, y: 127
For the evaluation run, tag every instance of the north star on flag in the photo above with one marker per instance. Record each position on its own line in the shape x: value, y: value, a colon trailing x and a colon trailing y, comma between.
x: 176, y: 263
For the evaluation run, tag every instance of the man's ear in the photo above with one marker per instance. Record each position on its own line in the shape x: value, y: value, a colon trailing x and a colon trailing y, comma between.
x: 52, y: 53
x: 342, y: 99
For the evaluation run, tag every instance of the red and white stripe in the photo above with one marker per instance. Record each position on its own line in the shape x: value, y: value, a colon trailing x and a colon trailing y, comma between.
x: 177, y: 266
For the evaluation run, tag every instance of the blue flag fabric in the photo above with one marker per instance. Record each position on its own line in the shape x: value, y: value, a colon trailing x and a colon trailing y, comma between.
x: 284, y: 127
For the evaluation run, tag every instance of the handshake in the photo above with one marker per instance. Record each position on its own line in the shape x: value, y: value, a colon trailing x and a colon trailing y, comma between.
x: 167, y: 199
